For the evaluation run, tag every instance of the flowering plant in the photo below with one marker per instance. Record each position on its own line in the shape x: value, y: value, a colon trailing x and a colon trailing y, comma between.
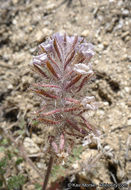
x: 63, y: 62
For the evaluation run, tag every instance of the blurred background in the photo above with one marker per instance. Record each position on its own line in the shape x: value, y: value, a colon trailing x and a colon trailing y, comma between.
x: 24, y: 24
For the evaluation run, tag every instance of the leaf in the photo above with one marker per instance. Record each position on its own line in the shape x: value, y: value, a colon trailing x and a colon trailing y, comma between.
x: 74, y: 126
x: 77, y: 151
x: 57, y: 170
x: 38, y: 187
x: 51, y: 69
x: 40, y: 71
x: 3, y: 165
x: 49, y: 57
x: 35, y: 123
x: 20, y: 132
x: 44, y: 93
x: 22, y: 123
x: 69, y: 59
x: 61, y: 110
x: 56, y: 46
x: 19, y: 161
x: 10, y: 155
x: 16, y: 182
x: 82, y: 84
x: 48, y: 121
x: 75, y: 80
x: 45, y: 85
x: 4, y: 142
x: 3, y: 162
x: 2, y: 149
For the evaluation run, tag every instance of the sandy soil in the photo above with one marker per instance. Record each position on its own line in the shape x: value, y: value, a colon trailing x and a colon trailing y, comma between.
x: 107, y: 24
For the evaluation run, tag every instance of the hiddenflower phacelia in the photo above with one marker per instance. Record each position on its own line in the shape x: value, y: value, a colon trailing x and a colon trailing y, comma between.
x: 64, y: 65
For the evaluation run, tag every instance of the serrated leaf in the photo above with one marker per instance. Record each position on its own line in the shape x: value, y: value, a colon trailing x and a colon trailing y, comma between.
x: 4, y: 142
x: 20, y: 132
x: 56, y: 169
x: 38, y: 187
x: 3, y: 162
x: 16, y: 181
x: 22, y: 123
x: 19, y: 161
x: 35, y: 123
x: 2, y: 149
x: 10, y: 155
x: 77, y: 151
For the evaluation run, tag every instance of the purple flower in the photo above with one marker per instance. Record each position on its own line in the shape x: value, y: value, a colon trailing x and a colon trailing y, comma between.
x: 63, y: 62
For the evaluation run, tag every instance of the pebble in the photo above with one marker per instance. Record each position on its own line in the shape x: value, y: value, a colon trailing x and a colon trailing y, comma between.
x: 30, y: 146
x: 50, y: 7
x: 100, y: 112
x: 37, y: 139
x: 47, y: 32
x: 101, y: 47
x: 106, y: 103
x: 107, y: 148
x: 85, y: 33
x: 125, y: 12
x: 31, y: 187
x: 10, y: 86
x: 127, y: 89
x: 27, y: 80
x: 46, y: 23
x: 41, y: 165
x: 15, y: 1
x: 129, y: 122
x: 106, y: 44
x: 39, y: 36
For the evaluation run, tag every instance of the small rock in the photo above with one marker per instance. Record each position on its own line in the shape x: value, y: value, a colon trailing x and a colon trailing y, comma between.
x: 50, y: 6
x: 47, y: 32
x: 100, y: 112
x: 106, y: 103
x: 31, y: 187
x: 27, y: 80
x: 15, y: 1
x: 10, y: 86
x: 129, y: 122
x: 124, y: 57
x: 120, y: 25
x: 101, y: 47
x: 46, y: 23
x: 41, y: 165
x: 125, y: 34
x: 106, y: 44
x: 30, y: 146
x: 37, y: 139
x: 127, y: 89
x: 125, y: 12
x: 85, y: 33
x: 39, y: 36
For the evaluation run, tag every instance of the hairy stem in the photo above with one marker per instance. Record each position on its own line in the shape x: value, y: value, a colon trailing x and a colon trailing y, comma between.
x: 48, y: 173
